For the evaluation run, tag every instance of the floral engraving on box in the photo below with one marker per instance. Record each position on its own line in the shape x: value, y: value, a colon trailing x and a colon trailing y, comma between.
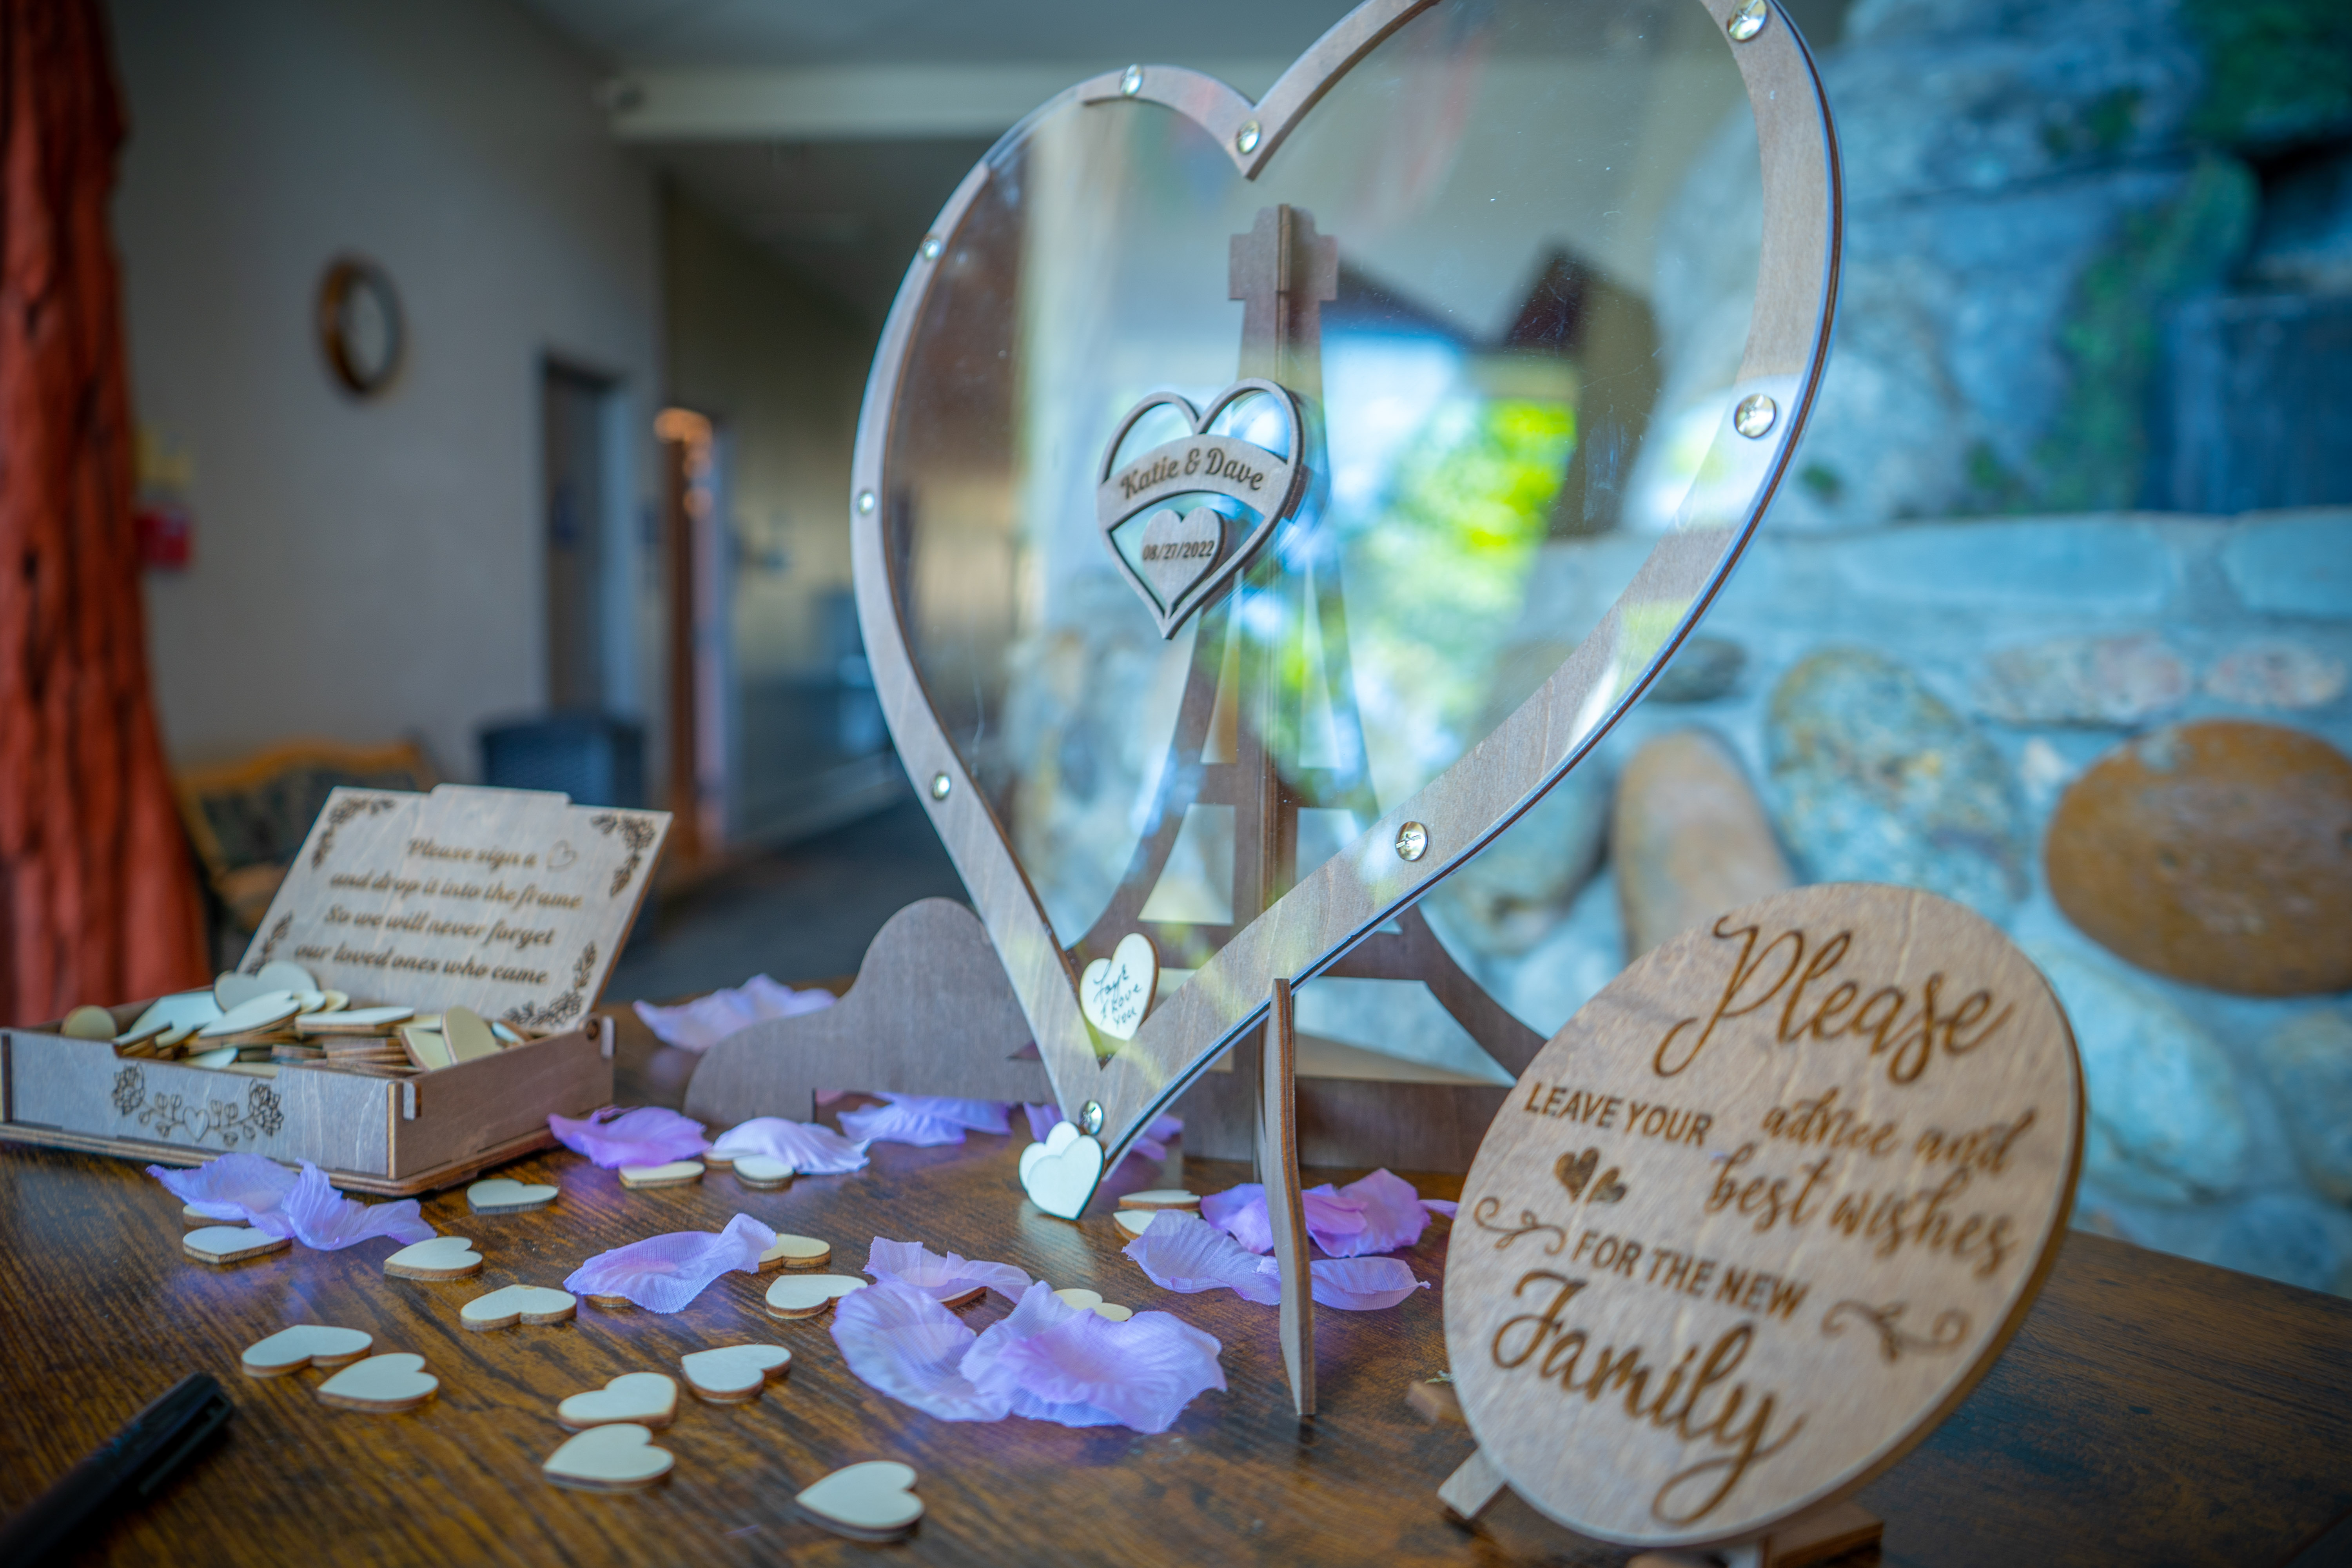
x: 221, y: 1120
x: 343, y: 811
x: 635, y: 832
x: 528, y: 1015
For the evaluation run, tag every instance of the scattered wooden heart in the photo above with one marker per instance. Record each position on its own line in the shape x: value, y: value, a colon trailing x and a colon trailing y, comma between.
x: 1111, y: 1309
x: 734, y: 1374
x: 616, y: 1458
x: 1059, y: 1174
x: 425, y: 1047
x: 677, y: 1173
x: 872, y: 1502
x: 353, y: 1020
x: 215, y: 1058
x: 512, y: 1304
x: 1135, y: 1221
x: 1080, y: 1298
x: 1161, y: 1198
x: 382, y: 1384
x: 232, y: 990
x: 283, y: 975
x: 469, y: 1034
x: 262, y: 1012
x: 187, y: 1010
x: 230, y: 1243
x: 643, y: 1398
x: 442, y: 1258
x: 195, y: 1218
x: 304, y: 1344
x: 763, y: 1175
x: 807, y: 1295
x: 503, y: 1195
x: 1115, y: 993
x: 797, y: 1252
x: 87, y: 1022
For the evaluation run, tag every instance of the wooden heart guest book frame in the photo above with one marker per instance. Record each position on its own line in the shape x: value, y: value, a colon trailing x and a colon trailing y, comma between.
x: 1355, y: 909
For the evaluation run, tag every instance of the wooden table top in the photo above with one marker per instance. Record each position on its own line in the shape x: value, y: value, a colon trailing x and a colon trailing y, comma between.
x: 2152, y: 1410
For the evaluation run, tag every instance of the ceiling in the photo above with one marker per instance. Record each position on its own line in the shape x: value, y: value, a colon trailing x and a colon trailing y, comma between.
x: 728, y: 97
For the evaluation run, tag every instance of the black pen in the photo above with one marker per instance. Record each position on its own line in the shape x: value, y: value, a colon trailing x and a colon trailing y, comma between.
x: 135, y: 1461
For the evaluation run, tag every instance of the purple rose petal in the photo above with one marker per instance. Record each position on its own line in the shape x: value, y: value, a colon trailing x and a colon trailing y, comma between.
x: 899, y: 1340
x: 1141, y: 1373
x: 1152, y: 1143
x: 665, y: 1273
x: 317, y: 1215
x: 649, y: 1135
x: 948, y: 1279
x: 1332, y: 1218
x: 1043, y: 1119
x: 234, y: 1186
x: 699, y: 1024
x: 1181, y: 1252
x: 901, y: 1124
x: 1445, y: 1207
x: 809, y: 1148
x: 1392, y: 1214
x: 1362, y: 1284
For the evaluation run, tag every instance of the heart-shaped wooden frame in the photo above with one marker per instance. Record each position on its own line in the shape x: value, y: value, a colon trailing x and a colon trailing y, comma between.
x: 1113, y: 510
x: 1350, y: 895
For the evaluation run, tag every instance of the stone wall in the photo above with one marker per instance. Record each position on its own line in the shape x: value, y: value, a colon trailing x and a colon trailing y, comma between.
x: 1911, y: 702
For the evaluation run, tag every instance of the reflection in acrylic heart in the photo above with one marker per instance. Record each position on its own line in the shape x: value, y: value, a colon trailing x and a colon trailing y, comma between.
x: 1059, y: 1174
x: 931, y: 402
x: 1181, y: 571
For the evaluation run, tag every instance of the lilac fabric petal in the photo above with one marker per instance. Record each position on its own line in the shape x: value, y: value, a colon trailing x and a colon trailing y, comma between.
x: 1152, y: 1143
x: 649, y: 1135
x: 699, y: 1024
x: 1362, y: 1284
x: 1142, y: 1371
x: 665, y: 1273
x: 1445, y: 1206
x: 899, y: 1124
x: 1240, y: 1213
x: 899, y: 1340
x: 1390, y: 1212
x: 809, y: 1148
x: 978, y: 1115
x: 1036, y: 1309
x: 315, y: 1215
x: 1043, y: 1119
x: 1183, y: 1252
x: 942, y: 1278
x: 234, y: 1186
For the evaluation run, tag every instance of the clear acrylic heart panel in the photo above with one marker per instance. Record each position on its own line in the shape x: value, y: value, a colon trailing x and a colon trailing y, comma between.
x: 1527, y: 341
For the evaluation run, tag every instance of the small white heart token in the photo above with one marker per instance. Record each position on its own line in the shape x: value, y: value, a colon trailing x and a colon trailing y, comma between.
x: 1135, y: 1221
x: 617, y: 1458
x: 305, y: 1345
x: 645, y: 1398
x: 806, y: 1295
x: 517, y: 1304
x: 1060, y: 1174
x: 872, y: 1502
x: 381, y: 1384
x: 1161, y: 1198
x: 762, y: 1174
x: 677, y: 1173
x: 1078, y: 1297
x: 1115, y: 993
x: 500, y: 1194
x: 442, y: 1258
x: 797, y: 1252
x: 733, y: 1374
x: 230, y: 1243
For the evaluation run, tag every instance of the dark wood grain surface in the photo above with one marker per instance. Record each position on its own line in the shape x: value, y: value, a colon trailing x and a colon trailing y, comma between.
x: 2152, y: 1410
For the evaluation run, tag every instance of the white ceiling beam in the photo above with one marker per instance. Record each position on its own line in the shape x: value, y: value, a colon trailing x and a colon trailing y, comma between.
x: 826, y: 103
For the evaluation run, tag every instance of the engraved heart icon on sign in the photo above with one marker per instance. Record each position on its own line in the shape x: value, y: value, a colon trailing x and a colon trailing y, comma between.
x: 1182, y: 549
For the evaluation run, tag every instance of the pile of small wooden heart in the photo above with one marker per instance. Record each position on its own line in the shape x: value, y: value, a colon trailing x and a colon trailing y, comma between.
x: 279, y: 1016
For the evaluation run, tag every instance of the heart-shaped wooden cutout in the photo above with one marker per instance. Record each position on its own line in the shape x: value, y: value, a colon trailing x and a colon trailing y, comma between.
x: 503, y: 1195
x: 675, y: 1174
x: 796, y: 1252
x: 1495, y: 778
x: 761, y: 1172
x: 257, y: 1011
x: 230, y: 1243
x: 513, y: 1304
x: 645, y: 1398
x: 468, y: 1033
x: 615, y: 1458
x: 1195, y: 464
x: 382, y: 1383
x: 304, y: 1344
x: 798, y: 1295
x: 1116, y: 992
x: 1060, y: 1175
x: 734, y: 1374
x: 871, y: 1502
x: 442, y: 1258
x: 283, y: 975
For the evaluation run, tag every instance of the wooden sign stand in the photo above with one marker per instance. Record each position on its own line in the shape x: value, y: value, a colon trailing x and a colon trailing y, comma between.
x: 1822, y: 1535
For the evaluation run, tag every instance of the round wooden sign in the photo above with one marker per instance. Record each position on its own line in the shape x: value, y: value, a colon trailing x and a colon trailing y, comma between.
x: 1761, y: 1214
